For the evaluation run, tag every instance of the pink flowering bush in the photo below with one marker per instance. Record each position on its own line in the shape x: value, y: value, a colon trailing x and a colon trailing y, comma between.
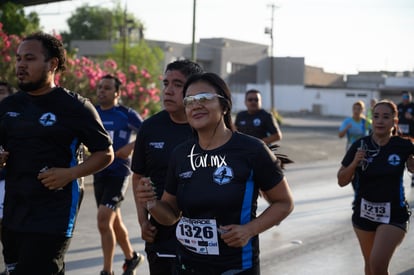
x: 139, y: 89
x: 8, y: 47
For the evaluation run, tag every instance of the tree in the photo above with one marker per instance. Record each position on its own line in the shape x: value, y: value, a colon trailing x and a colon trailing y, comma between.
x: 138, y: 53
x: 139, y: 89
x: 131, y: 52
x: 98, y: 23
x: 90, y: 23
x: 15, y: 21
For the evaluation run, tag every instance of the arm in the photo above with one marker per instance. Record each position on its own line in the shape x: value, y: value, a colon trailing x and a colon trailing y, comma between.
x: 342, y: 133
x: 165, y: 211
x: 280, y: 206
x: 148, y: 231
x: 125, y: 151
x: 134, y: 123
x: 272, y: 127
x: 346, y: 174
x: 410, y: 163
x: 55, y: 178
x: 272, y: 138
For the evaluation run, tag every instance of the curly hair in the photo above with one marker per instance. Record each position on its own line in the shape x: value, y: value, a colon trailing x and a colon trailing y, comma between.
x: 53, y: 48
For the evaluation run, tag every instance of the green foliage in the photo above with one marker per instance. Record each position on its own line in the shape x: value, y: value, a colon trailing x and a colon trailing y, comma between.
x: 15, y: 21
x: 139, y: 89
x: 140, y: 53
x: 90, y: 23
x: 99, y: 23
x: 136, y: 63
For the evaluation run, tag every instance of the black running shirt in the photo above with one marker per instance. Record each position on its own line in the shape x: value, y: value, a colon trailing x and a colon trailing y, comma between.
x: 379, y: 179
x: 156, y: 140
x: 221, y: 184
x: 42, y: 132
x: 260, y: 124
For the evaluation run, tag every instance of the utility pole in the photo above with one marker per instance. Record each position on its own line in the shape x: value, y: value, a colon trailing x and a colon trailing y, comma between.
x: 269, y: 31
x: 193, y: 45
x: 124, y: 38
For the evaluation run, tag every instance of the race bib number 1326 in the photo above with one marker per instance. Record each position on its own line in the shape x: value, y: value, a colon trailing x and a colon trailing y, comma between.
x: 198, y: 235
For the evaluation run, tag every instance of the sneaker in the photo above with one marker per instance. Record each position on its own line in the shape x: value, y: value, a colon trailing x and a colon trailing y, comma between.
x: 130, y: 265
x: 106, y: 273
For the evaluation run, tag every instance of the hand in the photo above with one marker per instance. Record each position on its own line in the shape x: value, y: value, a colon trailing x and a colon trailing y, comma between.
x: 359, y: 155
x: 236, y: 235
x: 148, y: 231
x: 410, y: 163
x: 4, y: 155
x: 408, y: 115
x: 145, y: 192
x: 55, y: 178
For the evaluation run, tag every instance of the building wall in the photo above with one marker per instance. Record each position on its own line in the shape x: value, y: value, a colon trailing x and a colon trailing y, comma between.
x: 298, y: 87
x: 287, y: 70
x: 300, y: 99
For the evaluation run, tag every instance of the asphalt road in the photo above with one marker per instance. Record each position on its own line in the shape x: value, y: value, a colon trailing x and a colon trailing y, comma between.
x: 317, y: 238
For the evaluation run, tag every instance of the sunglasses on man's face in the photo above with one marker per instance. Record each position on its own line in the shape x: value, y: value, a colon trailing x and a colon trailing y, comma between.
x: 199, y: 98
x: 253, y: 99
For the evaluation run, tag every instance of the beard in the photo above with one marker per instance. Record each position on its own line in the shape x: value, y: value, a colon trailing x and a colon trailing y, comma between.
x: 33, y: 86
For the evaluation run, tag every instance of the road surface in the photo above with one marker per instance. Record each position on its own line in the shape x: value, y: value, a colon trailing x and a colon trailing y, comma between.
x: 317, y: 238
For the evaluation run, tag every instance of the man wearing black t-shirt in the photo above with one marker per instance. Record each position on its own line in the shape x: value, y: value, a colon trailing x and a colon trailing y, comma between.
x: 257, y: 122
x: 42, y: 128
x: 156, y: 139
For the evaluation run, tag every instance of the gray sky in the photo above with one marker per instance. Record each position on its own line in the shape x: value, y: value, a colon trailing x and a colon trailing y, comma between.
x: 342, y: 36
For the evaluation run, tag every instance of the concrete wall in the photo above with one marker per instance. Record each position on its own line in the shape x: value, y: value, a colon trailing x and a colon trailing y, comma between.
x: 326, y: 102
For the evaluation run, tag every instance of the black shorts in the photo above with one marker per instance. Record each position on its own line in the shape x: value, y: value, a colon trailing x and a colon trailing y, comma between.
x: 34, y: 253
x: 160, y: 265
x: 401, y: 220
x: 190, y: 268
x: 109, y: 191
x: 367, y: 225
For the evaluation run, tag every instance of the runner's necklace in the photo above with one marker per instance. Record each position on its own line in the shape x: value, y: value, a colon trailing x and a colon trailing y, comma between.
x: 375, y: 152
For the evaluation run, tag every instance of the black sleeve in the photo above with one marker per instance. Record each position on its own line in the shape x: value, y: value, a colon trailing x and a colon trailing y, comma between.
x: 91, y: 131
x: 138, y: 156
x: 266, y: 168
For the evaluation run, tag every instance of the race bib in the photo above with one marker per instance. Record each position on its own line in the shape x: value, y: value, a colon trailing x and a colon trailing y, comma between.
x: 198, y: 235
x: 404, y: 128
x: 376, y: 211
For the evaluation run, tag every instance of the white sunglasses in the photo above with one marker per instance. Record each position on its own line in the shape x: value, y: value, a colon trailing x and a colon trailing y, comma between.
x: 199, y: 98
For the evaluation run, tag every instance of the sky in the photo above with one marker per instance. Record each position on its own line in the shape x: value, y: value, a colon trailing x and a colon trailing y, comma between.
x: 340, y: 36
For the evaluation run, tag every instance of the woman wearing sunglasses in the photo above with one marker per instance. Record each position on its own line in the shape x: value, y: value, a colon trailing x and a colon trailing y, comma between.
x: 213, y: 185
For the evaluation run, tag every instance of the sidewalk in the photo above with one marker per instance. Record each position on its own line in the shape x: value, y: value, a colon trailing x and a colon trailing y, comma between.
x: 311, y: 121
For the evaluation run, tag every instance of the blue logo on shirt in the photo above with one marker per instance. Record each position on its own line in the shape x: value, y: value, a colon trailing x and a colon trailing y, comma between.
x: 394, y: 160
x: 257, y: 122
x: 47, y: 119
x: 223, y: 175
